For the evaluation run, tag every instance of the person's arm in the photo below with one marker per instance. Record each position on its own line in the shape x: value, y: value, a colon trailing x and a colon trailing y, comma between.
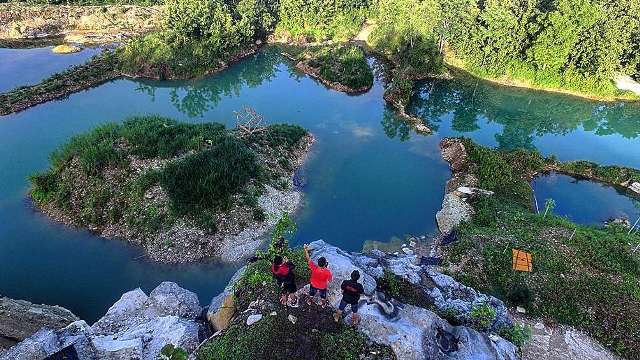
x: 306, y: 256
x: 343, y: 286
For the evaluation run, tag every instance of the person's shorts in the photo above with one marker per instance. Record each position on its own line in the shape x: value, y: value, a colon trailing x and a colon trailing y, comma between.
x: 343, y: 305
x: 288, y: 288
x: 313, y: 291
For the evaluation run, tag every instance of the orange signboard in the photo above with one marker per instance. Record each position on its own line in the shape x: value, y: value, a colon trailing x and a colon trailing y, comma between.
x: 522, y: 261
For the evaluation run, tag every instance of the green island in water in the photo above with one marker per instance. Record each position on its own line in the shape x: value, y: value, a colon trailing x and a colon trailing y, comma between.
x: 203, y: 161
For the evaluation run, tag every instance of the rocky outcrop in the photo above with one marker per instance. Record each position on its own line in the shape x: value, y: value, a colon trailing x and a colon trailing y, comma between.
x: 136, y: 327
x: 222, y: 307
x: 411, y: 331
x: 77, y: 24
x: 460, y: 188
x: 20, y: 319
x: 562, y: 343
x: 66, y: 49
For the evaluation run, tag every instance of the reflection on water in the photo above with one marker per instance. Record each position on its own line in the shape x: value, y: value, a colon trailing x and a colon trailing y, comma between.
x: 585, y: 202
x: 516, y: 118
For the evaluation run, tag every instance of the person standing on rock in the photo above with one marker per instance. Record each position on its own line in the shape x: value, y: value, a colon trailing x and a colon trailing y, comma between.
x: 282, y: 270
x: 351, y: 291
x: 320, y: 278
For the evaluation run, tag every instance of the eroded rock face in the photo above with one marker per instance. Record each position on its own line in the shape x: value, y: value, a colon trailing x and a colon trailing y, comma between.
x: 562, y: 343
x: 414, y: 332
x: 222, y: 307
x: 455, y: 210
x: 20, y: 319
x: 77, y: 24
x: 136, y: 327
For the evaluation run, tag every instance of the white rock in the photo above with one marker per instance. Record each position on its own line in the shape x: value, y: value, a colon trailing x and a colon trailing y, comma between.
x: 252, y: 319
x: 292, y: 318
x: 454, y: 211
x: 407, y: 251
x: 521, y: 310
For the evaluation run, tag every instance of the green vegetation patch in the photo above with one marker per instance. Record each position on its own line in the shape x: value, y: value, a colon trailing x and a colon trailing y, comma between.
x: 319, y: 20
x: 582, y: 276
x: 104, y: 177
x: 343, y: 64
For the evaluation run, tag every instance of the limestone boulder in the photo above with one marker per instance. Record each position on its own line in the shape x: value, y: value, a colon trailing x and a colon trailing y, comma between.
x: 66, y: 49
x: 20, y: 319
x: 170, y: 299
x: 222, y: 307
x: 137, y: 326
x: 455, y: 210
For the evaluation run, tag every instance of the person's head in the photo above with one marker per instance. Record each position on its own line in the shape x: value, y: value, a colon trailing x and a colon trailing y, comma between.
x: 355, y: 275
x: 322, y: 262
x: 277, y: 260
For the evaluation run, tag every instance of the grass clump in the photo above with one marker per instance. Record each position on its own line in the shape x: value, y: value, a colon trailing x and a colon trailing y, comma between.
x: 208, y: 179
x: 343, y: 64
x: 518, y: 334
x: 582, y: 276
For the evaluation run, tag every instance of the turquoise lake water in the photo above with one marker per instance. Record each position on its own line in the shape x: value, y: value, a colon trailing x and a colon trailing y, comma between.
x: 19, y: 67
x: 369, y: 177
x: 585, y: 202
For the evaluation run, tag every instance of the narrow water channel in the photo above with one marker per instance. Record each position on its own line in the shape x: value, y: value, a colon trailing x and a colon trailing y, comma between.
x: 368, y: 178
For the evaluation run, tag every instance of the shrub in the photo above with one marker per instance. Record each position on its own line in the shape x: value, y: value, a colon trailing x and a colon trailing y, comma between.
x: 517, y: 334
x: 482, y: 316
x: 207, y: 180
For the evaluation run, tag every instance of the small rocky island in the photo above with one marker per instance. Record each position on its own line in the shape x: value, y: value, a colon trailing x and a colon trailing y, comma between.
x: 183, y: 192
x: 339, y: 67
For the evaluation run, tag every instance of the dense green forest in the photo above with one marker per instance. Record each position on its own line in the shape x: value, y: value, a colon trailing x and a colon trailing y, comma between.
x: 575, y: 45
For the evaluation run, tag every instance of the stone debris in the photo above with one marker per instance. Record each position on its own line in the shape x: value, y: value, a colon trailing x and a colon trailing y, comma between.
x: 292, y: 318
x: 252, y: 319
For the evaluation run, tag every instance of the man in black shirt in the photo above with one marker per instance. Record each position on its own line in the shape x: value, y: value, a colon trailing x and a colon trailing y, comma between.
x: 351, y: 291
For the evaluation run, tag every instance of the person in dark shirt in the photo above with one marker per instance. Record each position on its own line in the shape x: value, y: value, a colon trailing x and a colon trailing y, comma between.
x: 282, y: 270
x: 351, y: 291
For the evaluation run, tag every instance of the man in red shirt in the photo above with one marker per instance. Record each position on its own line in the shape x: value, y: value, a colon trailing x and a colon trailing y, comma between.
x: 282, y: 270
x: 320, y: 278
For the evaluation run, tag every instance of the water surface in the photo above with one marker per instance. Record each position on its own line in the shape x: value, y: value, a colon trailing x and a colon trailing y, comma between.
x: 21, y: 67
x: 584, y: 201
x: 369, y: 177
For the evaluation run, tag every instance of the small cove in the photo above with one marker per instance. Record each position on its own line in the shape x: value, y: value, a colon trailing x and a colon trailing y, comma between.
x: 368, y: 177
x: 584, y: 201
